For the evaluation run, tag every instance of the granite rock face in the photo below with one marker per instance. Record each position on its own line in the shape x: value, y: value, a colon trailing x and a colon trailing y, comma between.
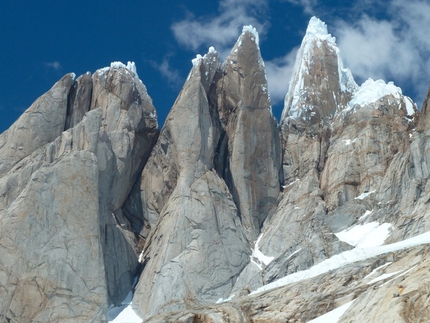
x: 64, y: 255
x: 249, y: 155
x: 224, y: 215
x: 212, y: 178
x: 40, y: 124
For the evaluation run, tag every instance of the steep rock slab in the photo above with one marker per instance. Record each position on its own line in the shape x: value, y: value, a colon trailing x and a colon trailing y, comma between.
x: 66, y: 255
x: 249, y: 154
x: 366, y: 137
x: 40, y: 124
x: 196, y: 247
x: 403, y: 195
x: 79, y: 100
x: 51, y: 267
x: 127, y: 131
x: 320, y: 87
x: 195, y: 253
x: 295, y: 235
x: 185, y: 147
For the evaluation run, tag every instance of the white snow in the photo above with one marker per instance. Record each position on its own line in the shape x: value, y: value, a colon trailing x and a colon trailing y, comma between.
x: 117, y: 65
x: 318, y: 29
x: 127, y: 316
x: 332, y: 316
x: 316, y: 33
x: 253, y: 31
x: 123, y: 313
x: 404, y: 273
x: 259, y: 256
x: 376, y: 269
x: 349, y: 141
x: 365, y: 215
x: 293, y: 182
x: 367, y: 235
x: 364, y: 195
x: 371, y: 91
x: 409, y: 106
x: 197, y: 60
x: 345, y: 258
x: 222, y: 300
x: 382, y: 277
x: 132, y: 67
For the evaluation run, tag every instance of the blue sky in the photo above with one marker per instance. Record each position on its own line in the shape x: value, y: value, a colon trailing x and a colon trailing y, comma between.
x: 43, y: 40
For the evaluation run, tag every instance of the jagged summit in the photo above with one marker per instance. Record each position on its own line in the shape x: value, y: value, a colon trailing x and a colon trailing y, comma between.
x: 318, y: 29
x: 320, y: 85
x: 98, y: 208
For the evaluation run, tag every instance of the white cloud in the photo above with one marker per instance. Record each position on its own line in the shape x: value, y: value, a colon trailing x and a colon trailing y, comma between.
x: 396, y: 49
x: 171, y: 75
x: 308, y: 5
x: 55, y: 65
x: 279, y: 72
x: 223, y: 30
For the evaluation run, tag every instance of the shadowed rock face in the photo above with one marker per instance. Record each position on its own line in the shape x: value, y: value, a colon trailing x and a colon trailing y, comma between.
x: 64, y: 255
x: 249, y: 156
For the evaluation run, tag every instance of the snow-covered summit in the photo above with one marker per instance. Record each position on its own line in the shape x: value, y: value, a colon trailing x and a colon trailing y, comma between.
x: 318, y: 29
x: 318, y: 73
x: 131, y: 66
x: 371, y: 91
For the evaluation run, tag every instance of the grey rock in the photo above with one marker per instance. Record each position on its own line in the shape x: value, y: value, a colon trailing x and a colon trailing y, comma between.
x: 79, y: 100
x: 249, y: 159
x: 45, y: 275
x: 192, y: 257
x: 364, y: 141
x: 195, y: 227
x: 186, y: 145
x: 66, y: 255
x: 38, y: 125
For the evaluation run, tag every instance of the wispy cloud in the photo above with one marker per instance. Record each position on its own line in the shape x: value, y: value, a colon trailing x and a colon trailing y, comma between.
x: 279, y: 72
x: 221, y: 31
x: 396, y: 48
x: 170, y: 74
x: 54, y: 65
x: 308, y: 5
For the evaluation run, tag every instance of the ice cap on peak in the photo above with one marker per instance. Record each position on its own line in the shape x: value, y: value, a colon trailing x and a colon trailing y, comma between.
x: 199, y: 57
x: 317, y: 28
x: 131, y: 66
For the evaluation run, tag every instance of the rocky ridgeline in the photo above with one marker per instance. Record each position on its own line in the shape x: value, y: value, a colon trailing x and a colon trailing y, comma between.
x: 96, y: 202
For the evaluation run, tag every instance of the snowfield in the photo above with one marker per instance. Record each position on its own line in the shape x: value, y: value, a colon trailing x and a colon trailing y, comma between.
x: 345, y: 258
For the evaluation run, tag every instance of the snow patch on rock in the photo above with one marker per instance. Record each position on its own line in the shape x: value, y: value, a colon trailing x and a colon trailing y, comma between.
x: 332, y: 316
x: 371, y: 91
x: 346, y: 258
x: 258, y: 258
x: 367, y: 235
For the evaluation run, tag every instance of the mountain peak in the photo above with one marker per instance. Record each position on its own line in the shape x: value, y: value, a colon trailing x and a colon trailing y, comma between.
x: 318, y: 29
x: 254, y: 33
x: 320, y: 85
